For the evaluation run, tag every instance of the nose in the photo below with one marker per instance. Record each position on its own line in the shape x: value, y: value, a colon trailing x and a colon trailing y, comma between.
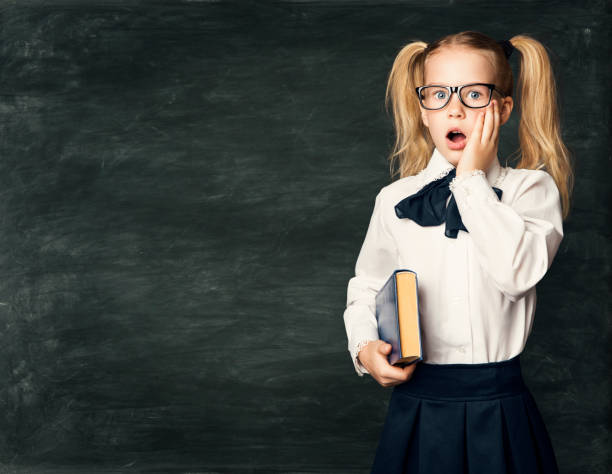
x: 454, y: 107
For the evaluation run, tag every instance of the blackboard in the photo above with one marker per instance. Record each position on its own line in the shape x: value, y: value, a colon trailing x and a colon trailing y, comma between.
x: 185, y: 187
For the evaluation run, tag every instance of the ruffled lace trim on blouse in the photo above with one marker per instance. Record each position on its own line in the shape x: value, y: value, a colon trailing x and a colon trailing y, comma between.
x: 360, y: 345
x: 458, y: 179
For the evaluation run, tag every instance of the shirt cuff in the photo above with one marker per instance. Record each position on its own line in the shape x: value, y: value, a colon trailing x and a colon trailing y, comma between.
x: 359, y: 368
x: 471, y: 185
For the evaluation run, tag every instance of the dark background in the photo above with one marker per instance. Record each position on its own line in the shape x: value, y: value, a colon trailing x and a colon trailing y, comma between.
x: 185, y: 187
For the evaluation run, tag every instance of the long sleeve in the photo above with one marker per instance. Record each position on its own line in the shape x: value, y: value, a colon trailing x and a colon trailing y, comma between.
x: 515, y: 242
x: 376, y: 261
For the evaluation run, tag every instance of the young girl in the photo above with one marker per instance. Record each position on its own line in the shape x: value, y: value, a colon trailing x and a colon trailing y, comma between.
x: 480, y: 236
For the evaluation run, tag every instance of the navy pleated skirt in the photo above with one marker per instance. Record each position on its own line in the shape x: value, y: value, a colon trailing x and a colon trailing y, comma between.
x: 464, y: 419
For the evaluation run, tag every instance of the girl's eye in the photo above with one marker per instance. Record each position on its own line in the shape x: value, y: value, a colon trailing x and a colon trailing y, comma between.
x: 474, y: 94
x: 440, y: 95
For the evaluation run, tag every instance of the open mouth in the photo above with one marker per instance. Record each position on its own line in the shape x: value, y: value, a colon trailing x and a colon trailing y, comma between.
x: 455, y: 136
x: 456, y: 139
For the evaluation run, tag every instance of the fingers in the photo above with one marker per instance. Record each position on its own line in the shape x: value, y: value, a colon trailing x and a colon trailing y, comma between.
x: 385, y: 348
x: 393, y: 375
x: 491, y: 125
x: 483, y: 140
x: 477, y: 130
x: 497, y: 122
x: 486, y: 129
x: 386, y: 374
x: 488, y: 124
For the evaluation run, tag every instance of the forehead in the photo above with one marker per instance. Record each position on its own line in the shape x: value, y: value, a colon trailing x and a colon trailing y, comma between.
x: 455, y: 65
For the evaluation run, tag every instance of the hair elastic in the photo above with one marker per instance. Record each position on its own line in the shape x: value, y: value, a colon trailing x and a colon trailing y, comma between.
x: 508, y: 47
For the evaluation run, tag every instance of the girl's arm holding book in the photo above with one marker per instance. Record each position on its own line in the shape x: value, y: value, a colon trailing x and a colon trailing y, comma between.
x: 376, y: 261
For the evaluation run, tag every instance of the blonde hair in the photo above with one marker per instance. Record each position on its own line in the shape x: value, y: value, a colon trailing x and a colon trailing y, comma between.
x: 540, y: 141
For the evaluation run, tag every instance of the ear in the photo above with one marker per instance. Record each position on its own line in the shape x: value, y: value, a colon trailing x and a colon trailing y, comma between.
x: 506, y: 106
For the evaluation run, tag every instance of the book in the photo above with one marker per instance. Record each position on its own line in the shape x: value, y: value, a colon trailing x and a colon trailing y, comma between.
x: 397, y: 314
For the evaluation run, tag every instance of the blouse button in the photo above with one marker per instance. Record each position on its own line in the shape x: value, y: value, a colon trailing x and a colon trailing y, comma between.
x: 462, y: 349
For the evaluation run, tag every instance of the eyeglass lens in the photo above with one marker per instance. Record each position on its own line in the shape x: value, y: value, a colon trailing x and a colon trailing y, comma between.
x: 435, y: 97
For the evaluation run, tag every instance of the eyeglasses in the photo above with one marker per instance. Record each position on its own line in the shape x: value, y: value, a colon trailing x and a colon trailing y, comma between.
x: 474, y: 96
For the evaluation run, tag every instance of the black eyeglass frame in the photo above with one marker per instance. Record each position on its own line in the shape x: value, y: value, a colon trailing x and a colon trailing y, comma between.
x: 457, y: 89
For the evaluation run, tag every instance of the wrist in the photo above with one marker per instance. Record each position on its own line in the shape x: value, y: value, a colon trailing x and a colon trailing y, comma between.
x: 361, y: 350
x: 468, y: 172
x: 361, y: 345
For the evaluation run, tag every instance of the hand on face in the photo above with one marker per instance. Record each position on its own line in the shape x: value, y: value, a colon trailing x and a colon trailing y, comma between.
x: 481, y: 148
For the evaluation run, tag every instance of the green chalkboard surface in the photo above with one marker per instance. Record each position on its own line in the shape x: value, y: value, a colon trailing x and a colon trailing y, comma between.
x: 185, y: 186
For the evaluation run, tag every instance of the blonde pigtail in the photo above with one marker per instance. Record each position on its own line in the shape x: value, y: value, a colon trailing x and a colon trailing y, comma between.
x: 541, y: 143
x: 413, y: 145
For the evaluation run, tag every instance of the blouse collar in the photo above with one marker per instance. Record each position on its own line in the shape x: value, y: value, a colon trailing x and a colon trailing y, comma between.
x: 439, y: 166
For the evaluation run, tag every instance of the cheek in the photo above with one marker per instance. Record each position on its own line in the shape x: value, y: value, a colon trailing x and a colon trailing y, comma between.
x: 425, y: 118
x: 437, y: 124
x: 471, y: 120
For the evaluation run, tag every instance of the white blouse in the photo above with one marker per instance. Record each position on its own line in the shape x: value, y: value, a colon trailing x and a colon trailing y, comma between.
x: 477, y: 293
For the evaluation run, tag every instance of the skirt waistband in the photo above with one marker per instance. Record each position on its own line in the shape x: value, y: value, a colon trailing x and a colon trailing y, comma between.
x: 465, y: 381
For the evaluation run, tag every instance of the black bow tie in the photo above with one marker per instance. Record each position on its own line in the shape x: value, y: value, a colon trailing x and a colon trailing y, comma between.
x: 428, y: 206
